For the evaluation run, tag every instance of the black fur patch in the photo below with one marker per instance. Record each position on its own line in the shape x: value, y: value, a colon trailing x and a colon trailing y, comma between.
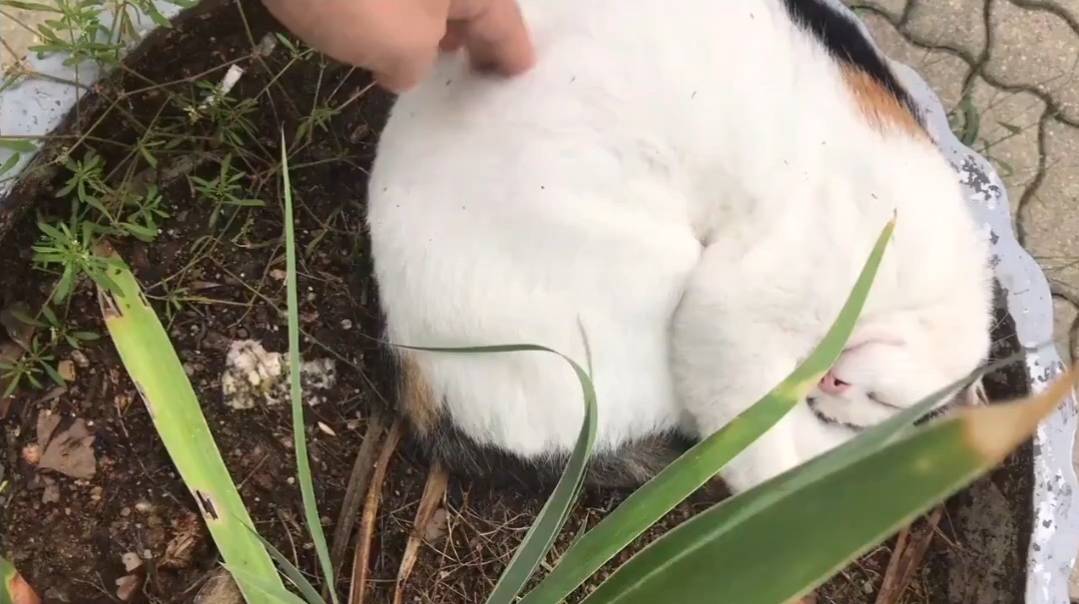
x: 845, y: 40
x: 632, y: 465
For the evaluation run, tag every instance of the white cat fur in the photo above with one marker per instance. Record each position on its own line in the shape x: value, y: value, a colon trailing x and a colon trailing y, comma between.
x: 695, y: 184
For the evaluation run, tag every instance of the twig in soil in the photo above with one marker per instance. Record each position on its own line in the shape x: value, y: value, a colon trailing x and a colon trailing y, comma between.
x: 433, y: 491
x: 354, y: 492
x: 362, y: 559
x: 910, y: 548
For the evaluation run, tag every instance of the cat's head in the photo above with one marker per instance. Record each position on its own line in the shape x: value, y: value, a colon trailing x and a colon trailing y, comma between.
x: 895, y: 360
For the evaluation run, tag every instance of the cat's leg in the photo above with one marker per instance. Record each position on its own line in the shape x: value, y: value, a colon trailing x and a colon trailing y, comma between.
x: 742, y: 326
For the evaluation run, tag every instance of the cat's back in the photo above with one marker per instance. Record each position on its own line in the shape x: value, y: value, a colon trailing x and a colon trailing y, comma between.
x: 532, y: 208
x: 580, y: 195
x: 672, y: 97
x: 654, y: 64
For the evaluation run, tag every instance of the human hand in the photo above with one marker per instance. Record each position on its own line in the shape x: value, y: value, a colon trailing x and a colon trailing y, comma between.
x: 399, y: 40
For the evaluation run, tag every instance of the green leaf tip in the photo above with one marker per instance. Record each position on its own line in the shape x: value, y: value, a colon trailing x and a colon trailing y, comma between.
x: 996, y: 430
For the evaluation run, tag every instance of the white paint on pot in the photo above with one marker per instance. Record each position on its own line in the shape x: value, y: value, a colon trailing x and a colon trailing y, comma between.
x: 36, y: 104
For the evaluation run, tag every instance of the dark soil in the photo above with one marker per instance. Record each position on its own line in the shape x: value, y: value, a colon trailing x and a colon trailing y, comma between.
x: 71, y: 547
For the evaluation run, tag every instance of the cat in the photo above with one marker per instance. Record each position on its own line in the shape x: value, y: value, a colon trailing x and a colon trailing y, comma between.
x: 683, y: 194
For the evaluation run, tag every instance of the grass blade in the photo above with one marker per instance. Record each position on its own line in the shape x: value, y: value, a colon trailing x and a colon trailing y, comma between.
x: 779, y: 541
x: 698, y: 465
x: 541, y: 535
x: 310, y: 594
x: 303, y: 462
x: 267, y: 593
x: 13, y: 588
x: 157, y: 373
x: 544, y: 530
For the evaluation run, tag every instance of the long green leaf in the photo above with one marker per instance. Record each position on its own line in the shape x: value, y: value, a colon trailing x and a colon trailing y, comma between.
x: 777, y: 542
x: 10, y: 163
x: 158, y: 374
x: 700, y: 464
x: 299, y: 438
x: 13, y: 588
x: 18, y: 145
x: 879, y: 436
x: 267, y: 592
x: 544, y: 530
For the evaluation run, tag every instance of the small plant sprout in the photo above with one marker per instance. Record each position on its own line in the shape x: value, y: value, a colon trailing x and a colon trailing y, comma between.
x: 155, y: 141
x: 224, y: 190
x: 297, y: 52
x: 231, y: 117
x: 78, y: 27
x: 28, y: 368
x: 78, y: 31
x: 74, y: 253
x: 142, y: 220
x: 319, y: 118
x: 87, y: 182
x: 59, y: 331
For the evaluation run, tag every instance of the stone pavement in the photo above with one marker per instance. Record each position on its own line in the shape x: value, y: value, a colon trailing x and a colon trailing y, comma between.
x: 15, y: 34
x: 1008, y: 71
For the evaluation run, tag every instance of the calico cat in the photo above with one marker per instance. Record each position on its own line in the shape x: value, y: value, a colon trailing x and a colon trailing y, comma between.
x: 695, y: 185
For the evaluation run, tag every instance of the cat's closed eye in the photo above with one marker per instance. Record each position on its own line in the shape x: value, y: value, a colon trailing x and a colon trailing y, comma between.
x: 860, y: 388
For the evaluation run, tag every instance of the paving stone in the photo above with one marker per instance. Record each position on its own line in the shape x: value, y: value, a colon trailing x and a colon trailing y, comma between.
x: 892, y: 8
x: 1050, y: 220
x: 14, y: 32
x: 1008, y: 134
x: 1070, y: 7
x: 1064, y: 314
x: 1038, y: 49
x: 958, y: 24
x: 944, y: 71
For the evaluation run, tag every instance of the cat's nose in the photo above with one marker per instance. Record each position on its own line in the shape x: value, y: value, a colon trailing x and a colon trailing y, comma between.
x: 830, y: 384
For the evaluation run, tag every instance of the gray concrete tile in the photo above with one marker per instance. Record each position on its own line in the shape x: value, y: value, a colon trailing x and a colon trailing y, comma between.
x: 958, y: 24
x: 1037, y: 49
x: 944, y: 71
x: 1051, y: 219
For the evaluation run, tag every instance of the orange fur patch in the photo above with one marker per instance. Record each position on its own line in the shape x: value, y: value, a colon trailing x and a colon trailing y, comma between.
x: 416, y: 399
x: 883, y: 110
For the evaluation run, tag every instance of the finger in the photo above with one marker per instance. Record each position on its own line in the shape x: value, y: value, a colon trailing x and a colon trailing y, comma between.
x: 454, y: 37
x: 497, y: 38
x: 398, y: 80
x: 401, y: 73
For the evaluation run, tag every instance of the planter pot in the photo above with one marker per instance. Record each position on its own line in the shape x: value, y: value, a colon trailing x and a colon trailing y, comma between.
x: 1024, y: 515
